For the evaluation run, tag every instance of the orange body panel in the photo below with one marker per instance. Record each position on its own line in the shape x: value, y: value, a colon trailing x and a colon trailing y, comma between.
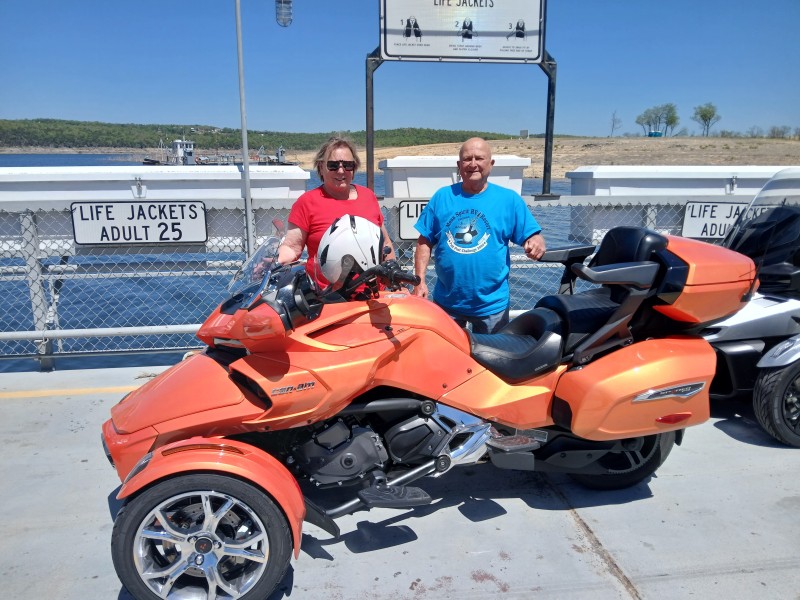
x: 127, y: 448
x: 524, y: 406
x: 257, y: 330
x: 199, y: 380
x: 311, y: 386
x: 714, y: 291
x: 298, y: 389
x: 706, y: 303
x: 201, y: 454
x: 396, y: 311
x: 338, y: 326
x: 194, y: 397
x: 602, y: 394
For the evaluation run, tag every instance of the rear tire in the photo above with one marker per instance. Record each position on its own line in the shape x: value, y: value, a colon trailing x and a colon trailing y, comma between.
x: 201, y: 536
x: 629, y: 467
x: 776, y: 403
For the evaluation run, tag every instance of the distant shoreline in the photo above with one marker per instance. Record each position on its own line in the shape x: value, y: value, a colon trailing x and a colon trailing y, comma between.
x: 568, y: 153
x: 82, y: 150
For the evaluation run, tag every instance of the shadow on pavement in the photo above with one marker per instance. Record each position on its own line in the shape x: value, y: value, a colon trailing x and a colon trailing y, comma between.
x: 737, y: 421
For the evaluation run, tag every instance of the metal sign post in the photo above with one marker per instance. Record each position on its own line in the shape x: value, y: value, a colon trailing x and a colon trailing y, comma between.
x: 249, y: 216
x: 374, y: 61
x: 548, y: 65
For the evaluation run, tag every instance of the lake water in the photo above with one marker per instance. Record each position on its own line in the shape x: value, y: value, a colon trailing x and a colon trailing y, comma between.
x: 530, y: 186
x: 138, y: 298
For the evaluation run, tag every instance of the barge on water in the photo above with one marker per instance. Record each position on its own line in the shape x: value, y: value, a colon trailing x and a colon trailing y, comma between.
x: 183, y: 152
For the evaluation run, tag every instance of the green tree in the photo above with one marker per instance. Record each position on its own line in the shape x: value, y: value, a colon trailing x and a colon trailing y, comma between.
x: 706, y: 116
x: 645, y: 121
x: 671, y: 118
x: 74, y: 134
x: 663, y: 118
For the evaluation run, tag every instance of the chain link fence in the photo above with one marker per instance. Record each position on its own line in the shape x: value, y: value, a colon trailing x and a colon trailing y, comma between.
x: 64, y: 299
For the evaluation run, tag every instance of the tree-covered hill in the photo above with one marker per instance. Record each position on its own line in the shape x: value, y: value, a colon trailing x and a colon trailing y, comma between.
x: 55, y: 133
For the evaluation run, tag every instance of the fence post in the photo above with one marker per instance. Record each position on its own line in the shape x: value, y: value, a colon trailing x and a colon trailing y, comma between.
x: 33, y: 274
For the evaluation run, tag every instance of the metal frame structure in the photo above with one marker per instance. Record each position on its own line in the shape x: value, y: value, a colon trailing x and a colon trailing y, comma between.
x: 548, y: 66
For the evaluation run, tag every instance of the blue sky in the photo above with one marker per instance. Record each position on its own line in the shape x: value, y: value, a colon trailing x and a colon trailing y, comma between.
x: 157, y: 61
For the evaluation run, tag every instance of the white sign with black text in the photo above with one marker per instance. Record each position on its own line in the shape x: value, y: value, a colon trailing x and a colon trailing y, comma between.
x: 462, y: 30
x: 710, y: 219
x: 125, y: 223
x: 409, y: 213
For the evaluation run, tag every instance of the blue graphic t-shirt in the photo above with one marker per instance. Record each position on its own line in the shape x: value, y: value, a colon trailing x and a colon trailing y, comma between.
x: 470, y: 234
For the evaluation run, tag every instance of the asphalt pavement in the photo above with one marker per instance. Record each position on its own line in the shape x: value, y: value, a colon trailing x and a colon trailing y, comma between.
x: 720, y: 519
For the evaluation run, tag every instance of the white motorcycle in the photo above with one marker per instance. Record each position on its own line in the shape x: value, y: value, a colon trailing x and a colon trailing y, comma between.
x: 758, y: 348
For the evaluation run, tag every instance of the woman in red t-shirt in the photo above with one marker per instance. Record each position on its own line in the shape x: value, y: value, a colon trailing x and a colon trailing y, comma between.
x: 313, y: 212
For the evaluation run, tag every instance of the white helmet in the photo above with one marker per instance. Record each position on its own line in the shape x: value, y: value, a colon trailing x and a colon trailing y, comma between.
x: 350, y: 245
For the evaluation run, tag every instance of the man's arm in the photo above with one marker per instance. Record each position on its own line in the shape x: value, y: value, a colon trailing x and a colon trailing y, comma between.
x: 535, y: 246
x: 422, y: 256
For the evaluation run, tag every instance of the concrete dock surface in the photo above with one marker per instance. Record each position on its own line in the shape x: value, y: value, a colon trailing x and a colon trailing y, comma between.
x: 720, y: 519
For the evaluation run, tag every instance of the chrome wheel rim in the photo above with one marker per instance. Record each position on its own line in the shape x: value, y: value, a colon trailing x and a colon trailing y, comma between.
x: 201, y: 545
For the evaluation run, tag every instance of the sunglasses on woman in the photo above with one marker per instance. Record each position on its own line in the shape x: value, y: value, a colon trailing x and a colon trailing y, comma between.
x: 348, y: 165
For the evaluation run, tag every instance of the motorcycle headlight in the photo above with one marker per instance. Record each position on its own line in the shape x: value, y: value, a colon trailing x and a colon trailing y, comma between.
x: 106, y: 450
x: 783, y: 347
x: 139, y: 467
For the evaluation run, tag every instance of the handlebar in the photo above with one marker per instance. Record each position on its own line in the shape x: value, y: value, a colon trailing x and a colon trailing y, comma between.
x: 389, y: 272
x: 395, y: 275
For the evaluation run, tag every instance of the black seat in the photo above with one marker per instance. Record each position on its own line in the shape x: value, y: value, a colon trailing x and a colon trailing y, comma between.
x: 582, y: 314
x: 626, y: 265
x: 529, y: 345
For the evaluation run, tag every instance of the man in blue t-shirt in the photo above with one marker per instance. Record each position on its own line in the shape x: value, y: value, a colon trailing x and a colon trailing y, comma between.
x: 470, y: 225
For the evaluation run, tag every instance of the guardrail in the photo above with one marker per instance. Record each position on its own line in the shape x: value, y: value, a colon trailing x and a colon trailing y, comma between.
x: 65, y: 298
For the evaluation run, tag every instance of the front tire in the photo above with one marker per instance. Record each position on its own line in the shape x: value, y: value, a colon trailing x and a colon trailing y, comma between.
x: 201, y: 536
x: 776, y: 403
x: 632, y: 465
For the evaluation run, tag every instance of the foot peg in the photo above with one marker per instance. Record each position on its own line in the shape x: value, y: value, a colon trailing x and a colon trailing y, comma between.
x: 382, y: 495
x: 513, y: 443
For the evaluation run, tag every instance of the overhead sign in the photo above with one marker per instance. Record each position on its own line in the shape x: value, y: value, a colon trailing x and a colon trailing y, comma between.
x: 462, y: 30
x: 710, y: 219
x: 135, y: 223
x: 409, y: 213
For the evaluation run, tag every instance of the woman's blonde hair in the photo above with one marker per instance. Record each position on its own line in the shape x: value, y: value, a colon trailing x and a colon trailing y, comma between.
x: 327, y: 149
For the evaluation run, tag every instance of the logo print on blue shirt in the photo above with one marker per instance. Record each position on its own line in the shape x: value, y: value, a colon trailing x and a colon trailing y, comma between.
x: 464, y: 232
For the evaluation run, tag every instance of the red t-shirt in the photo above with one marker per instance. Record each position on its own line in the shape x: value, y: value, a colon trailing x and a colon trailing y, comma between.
x: 314, y: 211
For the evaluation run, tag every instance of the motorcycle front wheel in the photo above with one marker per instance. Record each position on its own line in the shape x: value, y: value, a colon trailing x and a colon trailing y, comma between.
x: 632, y: 465
x: 776, y: 403
x: 198, y: 537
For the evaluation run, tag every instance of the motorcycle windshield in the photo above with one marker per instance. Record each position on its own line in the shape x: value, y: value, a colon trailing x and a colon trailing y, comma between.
x: 255, y: 271
x: 769, y: 220
x: 768, y: 232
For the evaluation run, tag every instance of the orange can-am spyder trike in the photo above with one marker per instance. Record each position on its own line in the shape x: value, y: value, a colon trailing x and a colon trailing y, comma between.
x: 365, y: 387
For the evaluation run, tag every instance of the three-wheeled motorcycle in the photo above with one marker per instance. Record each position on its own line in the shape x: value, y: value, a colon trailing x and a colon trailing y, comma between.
x: 758, y: 348
x: 364, y: 389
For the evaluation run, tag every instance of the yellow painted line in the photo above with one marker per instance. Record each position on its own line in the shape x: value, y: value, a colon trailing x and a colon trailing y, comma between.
x: 69, y: 392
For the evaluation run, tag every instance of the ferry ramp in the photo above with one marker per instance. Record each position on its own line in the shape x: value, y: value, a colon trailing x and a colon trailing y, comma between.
x: 720, y: 519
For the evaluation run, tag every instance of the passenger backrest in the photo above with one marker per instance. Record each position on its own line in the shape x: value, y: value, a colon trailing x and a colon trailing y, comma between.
x: 628, y: 244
